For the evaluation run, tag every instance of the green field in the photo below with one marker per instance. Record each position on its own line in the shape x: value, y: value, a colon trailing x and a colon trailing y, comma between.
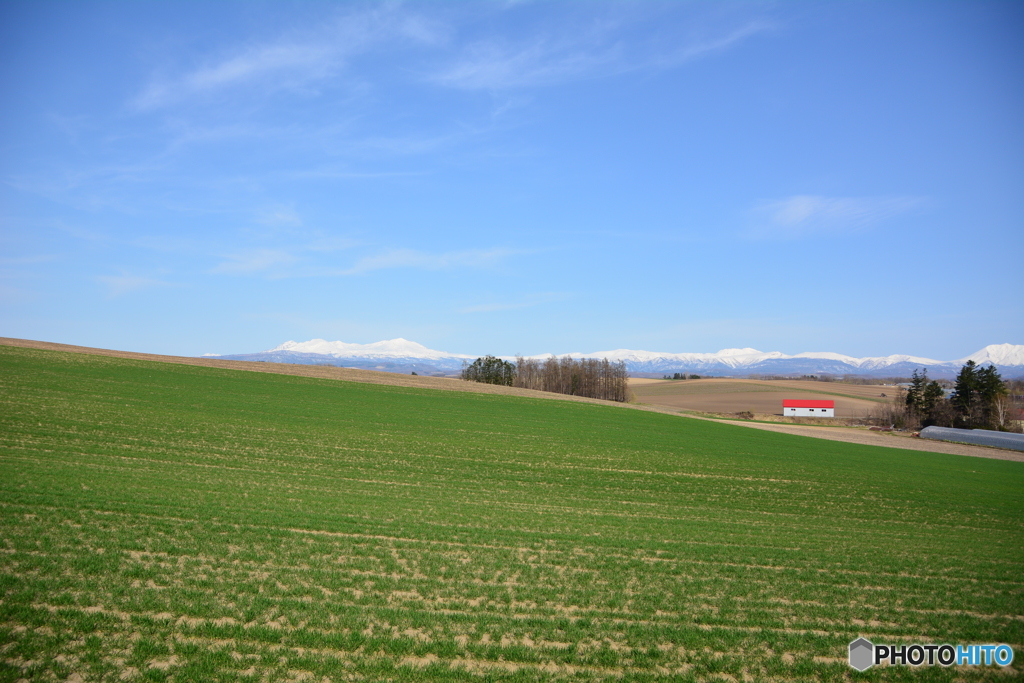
x: 175, y: 522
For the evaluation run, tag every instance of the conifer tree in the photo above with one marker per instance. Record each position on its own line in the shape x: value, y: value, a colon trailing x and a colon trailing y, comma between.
x: 965, y: 390
x: 916, y: 391
x: 931, y: 399
x: 924, y: 397
x: 975, y: 394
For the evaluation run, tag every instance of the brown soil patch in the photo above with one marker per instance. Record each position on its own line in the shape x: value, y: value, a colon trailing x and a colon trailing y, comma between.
x: 640, y: 381
x: 720, y: 385
x: 756, y: 396
x: 419, y: 662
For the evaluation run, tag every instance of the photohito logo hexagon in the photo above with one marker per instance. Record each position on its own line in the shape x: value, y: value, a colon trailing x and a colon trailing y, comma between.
x: 861, y: 654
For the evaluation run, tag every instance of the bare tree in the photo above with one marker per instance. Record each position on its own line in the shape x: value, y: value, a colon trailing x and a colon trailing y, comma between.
x: 1005, y: 414
x: 896, y: 413
x: 590, y: 377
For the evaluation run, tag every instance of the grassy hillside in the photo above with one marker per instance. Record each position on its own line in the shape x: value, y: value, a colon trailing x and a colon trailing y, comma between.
x: 172, y: 521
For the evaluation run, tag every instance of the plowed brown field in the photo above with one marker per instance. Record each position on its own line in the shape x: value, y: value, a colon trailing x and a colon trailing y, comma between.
x: 756, y: 396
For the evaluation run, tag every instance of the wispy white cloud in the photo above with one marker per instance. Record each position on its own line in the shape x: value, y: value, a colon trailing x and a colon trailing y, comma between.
x: 601, y: 49
x: 27, y: 260
x: 494, y: 65
x: 89, y: 187
x: 251, y: 261
x: 801, y: 215
x: 288, y: 64
x: 302, y: 258
x: 281, y: 215
x: 295, y: 60
x: 711, y: 44
x: 576, y: 48
x: 119, y: 285
x: 409, y: 258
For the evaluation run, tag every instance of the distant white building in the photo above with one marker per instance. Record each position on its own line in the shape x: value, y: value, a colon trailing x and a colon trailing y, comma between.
x: 792, y: 407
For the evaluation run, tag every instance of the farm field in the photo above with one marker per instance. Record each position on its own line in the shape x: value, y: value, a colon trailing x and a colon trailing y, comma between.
x: 316, y: 371
x: 756, y: 396
x: 163, y: 521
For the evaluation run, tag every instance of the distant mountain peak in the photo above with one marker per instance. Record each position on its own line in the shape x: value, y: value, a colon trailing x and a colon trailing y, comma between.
x: 395, y: 354
x: 998, y: 354
x: 390, y: 348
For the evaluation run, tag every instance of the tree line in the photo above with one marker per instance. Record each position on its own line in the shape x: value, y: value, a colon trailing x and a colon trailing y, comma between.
x: 980, y: 399
x: 489, y: 370
x: 589, y: 377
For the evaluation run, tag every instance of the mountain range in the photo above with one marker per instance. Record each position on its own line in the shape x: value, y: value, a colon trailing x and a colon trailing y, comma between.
x: 402, y: 355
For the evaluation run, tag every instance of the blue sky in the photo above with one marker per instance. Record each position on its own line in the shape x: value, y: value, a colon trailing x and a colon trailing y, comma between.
x: 514, y: 177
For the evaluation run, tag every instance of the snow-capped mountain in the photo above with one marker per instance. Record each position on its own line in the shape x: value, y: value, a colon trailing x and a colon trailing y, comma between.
x: 742, y: 358
x: 393, y: 355
x: 998, y: 354
x: 392, y: 348
x: 402, y: 355
x: 731, y: 362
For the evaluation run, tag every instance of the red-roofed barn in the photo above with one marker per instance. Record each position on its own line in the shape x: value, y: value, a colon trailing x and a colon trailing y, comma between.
x: 792, y: 407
